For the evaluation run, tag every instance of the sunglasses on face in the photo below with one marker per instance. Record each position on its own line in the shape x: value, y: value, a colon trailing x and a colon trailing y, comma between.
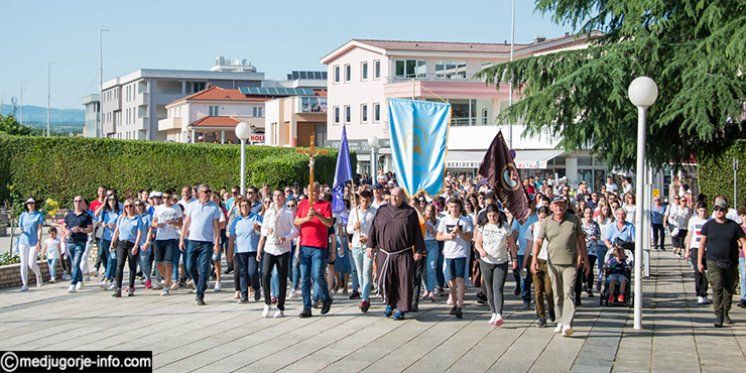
x: 720, y: 209
x: 138, y: 204
x: 127, y: 206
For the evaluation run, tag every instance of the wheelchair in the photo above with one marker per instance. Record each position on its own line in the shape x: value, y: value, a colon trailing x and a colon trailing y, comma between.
x: 629, y: 252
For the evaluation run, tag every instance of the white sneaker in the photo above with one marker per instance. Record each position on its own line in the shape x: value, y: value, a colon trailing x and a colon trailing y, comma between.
x: 71, y: 289
x: 700, y: 300
x: 164, y: 292
x: 291, y: 295
x: 217, y: 287
x: 102, y: 284
x: 558, y: 329
x: 38, y: 283
x: 492, y: 319
x: 567, y: 331
x: 78, y: 285
x: 112, y: 286
x: 278, y: 314
x: 265, y: 312
x: 24, y: 289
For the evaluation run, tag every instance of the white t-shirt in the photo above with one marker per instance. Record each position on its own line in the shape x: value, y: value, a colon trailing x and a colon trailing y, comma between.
x: 166, y: 215
x: 53, y: 248
x: 457, y: 247
x: 695, y: 227
x: 495, y: 243
x: 535, y: 232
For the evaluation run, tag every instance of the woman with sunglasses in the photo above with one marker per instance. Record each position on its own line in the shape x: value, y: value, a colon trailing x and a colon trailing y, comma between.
x: 124, y: 240
x: 146, y: 220
x: 29, y: 244
x: 78, y: 223
x: 245, y: 231
x: 106, y: 218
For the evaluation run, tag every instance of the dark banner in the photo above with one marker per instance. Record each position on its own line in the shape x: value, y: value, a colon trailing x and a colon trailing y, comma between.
x: 500, y: 172
x: 76, y: 361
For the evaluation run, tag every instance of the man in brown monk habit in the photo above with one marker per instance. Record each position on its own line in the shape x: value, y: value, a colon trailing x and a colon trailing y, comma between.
x: 397, y: 236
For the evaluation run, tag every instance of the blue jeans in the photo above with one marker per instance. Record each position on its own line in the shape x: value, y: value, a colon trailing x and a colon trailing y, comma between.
x: 312, y: 264
x: 441, y: 272
x: 431, y: 269
x: 110, y: 264
x: 364, y: 270
x: 197, y: 261
x: 742, y: 270
x: 76, y: 253
x: 52, y: 264
x: 248, y: 273
x: 600, y: 254
x: 145, y: 261
x: 294, y: 273
x: 178, y: 254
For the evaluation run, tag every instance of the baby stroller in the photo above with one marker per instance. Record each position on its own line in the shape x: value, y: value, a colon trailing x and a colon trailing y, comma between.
x: 629, y: 252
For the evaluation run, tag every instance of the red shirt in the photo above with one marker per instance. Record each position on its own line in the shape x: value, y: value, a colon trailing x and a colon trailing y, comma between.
x: 95, y: 205
x: 314, y: 233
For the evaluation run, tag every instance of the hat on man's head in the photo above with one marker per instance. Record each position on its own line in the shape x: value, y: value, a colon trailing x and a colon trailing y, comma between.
x: 721, y: 203
x: 559, y: 199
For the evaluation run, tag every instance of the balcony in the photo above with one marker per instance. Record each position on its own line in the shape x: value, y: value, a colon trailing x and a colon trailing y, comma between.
x: 431, y: 86
x: 142, y: 99
x: 311, y: 104
x: 169, y: 124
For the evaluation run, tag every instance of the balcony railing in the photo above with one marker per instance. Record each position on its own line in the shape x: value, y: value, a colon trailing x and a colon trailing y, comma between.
x: 472, y: 121
x: 430, y: 78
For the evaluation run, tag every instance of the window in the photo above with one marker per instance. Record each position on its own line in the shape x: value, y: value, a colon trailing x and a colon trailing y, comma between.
x: 364, y: 71
x: 364, y: 113
x: 410, y: 69
x: 348, y: 114
x: 336, y: 74
x: 450, y: 70
x: 348, y: 73
x: 377, y: 69
x: 214, y: 111
x: 336, y: 115
x: 257, y: 111
x: 376, y: 112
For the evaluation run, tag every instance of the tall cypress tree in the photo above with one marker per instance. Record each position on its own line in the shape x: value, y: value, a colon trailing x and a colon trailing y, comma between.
x: 695, y: 50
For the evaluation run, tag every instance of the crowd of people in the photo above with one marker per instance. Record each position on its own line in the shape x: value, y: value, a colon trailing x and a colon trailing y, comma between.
x: 287, y: 243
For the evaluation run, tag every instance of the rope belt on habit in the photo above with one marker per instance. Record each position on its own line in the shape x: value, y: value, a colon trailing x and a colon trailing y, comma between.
x: 385, y: 268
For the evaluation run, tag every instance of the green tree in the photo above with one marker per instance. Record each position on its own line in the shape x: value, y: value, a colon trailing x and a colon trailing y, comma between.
x: 10, y: 125
x: 695, y: 50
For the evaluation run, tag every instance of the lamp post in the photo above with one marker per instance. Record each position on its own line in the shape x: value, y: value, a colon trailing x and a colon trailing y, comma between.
x: 373, y: 143
x: 243, y: 132
x: 642, y: 92
x: 49, y: 94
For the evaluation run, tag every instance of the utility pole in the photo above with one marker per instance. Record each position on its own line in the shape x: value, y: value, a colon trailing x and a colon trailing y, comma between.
x: 510, y: 87
x: 99, y: 128
x: 49, y: 95
x: 21, y: 113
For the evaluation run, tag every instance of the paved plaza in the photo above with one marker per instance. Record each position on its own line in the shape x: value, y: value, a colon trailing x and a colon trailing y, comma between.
x: 225, y: 336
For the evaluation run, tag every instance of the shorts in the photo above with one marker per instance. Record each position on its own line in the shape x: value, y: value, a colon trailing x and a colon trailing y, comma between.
x: 618, y: 277
x: 455, y: 268
x: 165, y: 250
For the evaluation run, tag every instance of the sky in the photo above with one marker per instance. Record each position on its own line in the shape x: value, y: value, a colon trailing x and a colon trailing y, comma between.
x: 276, y: 36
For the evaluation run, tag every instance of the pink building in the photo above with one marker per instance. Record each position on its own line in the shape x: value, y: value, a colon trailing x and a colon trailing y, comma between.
x: 363, y: 73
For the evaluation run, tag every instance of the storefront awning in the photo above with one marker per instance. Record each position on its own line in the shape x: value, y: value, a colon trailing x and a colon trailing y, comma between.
x: 535, y: 159
x: 524, y: 159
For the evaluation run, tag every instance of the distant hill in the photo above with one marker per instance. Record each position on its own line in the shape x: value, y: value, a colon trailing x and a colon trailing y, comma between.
x: 38, y: 114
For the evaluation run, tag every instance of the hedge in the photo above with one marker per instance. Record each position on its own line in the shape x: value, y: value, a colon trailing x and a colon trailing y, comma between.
x: 715, y: 174
x: 61, y: 167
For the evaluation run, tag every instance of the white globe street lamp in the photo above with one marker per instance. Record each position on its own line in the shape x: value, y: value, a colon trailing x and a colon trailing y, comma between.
x: 642, y: 92
x: 243, y: 132
x: 373, y: 144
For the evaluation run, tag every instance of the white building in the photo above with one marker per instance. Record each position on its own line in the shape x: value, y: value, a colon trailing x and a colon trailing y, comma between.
x: 133, y: 104
x: 92, y: 114
x: 363, y: 74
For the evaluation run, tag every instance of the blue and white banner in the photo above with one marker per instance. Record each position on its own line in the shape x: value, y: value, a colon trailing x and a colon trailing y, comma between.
x: 419, y: 134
